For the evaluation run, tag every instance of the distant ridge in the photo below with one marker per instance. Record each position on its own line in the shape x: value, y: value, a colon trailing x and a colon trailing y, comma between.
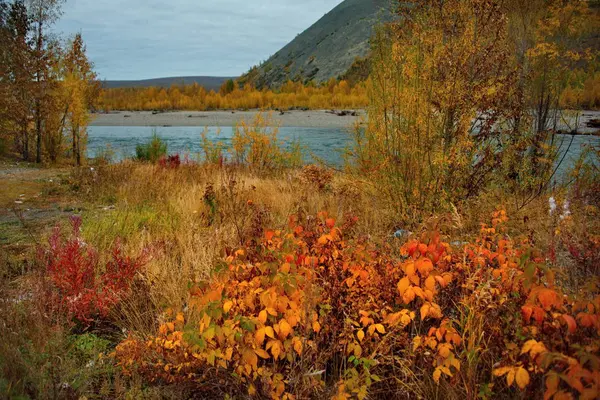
x: 328, y: 48
x: 209, y: 82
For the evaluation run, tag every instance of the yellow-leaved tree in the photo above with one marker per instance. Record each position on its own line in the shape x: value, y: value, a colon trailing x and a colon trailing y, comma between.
x: 80, y: 91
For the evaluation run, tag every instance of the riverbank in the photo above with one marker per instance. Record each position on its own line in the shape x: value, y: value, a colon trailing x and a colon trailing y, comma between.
x: 308, y: 119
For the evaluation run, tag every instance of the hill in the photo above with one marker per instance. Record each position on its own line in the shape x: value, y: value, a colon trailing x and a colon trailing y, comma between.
x: 209, y: 82
x: 328, y: 48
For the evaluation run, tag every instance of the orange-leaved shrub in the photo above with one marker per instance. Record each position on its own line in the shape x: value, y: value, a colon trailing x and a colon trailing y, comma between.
x: 310, y: 313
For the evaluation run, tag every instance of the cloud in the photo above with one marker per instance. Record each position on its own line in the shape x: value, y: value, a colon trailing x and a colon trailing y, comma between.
x: 138, y: 39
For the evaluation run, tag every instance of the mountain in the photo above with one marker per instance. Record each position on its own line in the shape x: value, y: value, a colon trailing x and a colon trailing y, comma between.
x: 328, y: 48
x: 209, y: 82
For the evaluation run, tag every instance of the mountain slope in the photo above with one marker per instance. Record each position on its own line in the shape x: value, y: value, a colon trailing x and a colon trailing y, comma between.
x: 328, y: 48
x: 209, y: 82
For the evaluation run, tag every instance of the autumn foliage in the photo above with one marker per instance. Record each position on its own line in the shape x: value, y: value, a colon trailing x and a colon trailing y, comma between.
x: 332, y: 94
x: 309, y: 309
x: 77, y: 286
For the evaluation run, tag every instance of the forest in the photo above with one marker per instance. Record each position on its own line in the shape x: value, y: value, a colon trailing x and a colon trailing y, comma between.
x: 444, y: 260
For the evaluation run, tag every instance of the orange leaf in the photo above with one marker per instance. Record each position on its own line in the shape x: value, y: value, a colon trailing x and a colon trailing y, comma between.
x: 284, y: 328
x: 548, y: 298
x: 424, y: 311
x: 269, y: 235
x: 330, y: 222
x: 403, y: 285
x: 571, y: 324
x: 262, y: 354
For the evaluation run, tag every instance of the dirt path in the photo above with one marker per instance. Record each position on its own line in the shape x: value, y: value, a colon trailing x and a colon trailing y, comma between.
x: 31, y: 201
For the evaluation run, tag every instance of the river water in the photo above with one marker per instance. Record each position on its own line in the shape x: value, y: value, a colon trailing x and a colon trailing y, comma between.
x: 326, y: 144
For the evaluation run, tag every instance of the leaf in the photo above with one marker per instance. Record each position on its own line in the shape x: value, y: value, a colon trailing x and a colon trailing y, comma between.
x: 501, y: 371
x: 380, y: 328
x: 408, y: 296
x: 269, y: 235
x: 403, y: 285
x: 571, y: 324
x: 548, y: 298
x: 430, y: 283
x: 284, y: 328
x: 510, y: 377
x: 269, y: 332
x: 262, y: 354
x: 330, y: 222
x: 436, y: 375
x: 316, y: 326
x: 259, y: 336
x: 227, y: 306
x: 522, y: 378
x: 424, y: 310
x: 528, y: 346
x: 360, y: 335
x: 298, y: 346
x: 262, y: 316
x: 275, y: 348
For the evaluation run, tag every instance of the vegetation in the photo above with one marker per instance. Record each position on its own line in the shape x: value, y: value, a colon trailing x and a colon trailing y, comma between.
x: 439, y: 264
x: 152, y: 151
x: 47, y: 86
x: 332, y: 95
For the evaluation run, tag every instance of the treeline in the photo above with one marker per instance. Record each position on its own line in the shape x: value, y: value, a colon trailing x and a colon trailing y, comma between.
x: 332, y: 94
x: 47, y: 84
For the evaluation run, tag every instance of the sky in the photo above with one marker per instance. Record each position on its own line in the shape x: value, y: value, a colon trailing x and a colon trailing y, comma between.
x: 142, y: 39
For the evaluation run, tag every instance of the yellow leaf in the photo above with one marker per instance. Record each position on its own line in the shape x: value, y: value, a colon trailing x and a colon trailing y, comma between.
x: 501, y: 371
x: 298, y: 346
x: 269, y: 332
x: 522, y: 378
x: 251, y: 390
x: 360, y: 335
x: 227, y: 306
x: 262, y: 354
x: 380, y: 328
x: 262, y: 316
x: 510, y: 377
x: 417, y: 342
x: 180, y: 318
x: 436, y: 375
x: 259, y: 336
x: 275, y: 349
x: 284, y: 328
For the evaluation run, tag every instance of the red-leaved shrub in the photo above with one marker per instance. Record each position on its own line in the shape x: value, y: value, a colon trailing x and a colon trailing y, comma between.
x: 78, y: 284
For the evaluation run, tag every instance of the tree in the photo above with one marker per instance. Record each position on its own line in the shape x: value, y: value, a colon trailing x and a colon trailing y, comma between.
x: 43, y: 14
x: 18, y: 76
x: 81, y: 90
x: 227, y: 87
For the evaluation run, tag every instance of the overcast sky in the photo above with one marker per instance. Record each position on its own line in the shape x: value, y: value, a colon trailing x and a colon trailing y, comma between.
x: 140, y: 39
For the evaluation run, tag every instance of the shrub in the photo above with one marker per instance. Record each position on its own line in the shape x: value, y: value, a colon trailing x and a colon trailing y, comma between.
x: 316, y: 175
x: 258, y: 146
x: 152, y: 151
x: 171, y: 162
x: 310, y: 314
x: 77, y: 284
